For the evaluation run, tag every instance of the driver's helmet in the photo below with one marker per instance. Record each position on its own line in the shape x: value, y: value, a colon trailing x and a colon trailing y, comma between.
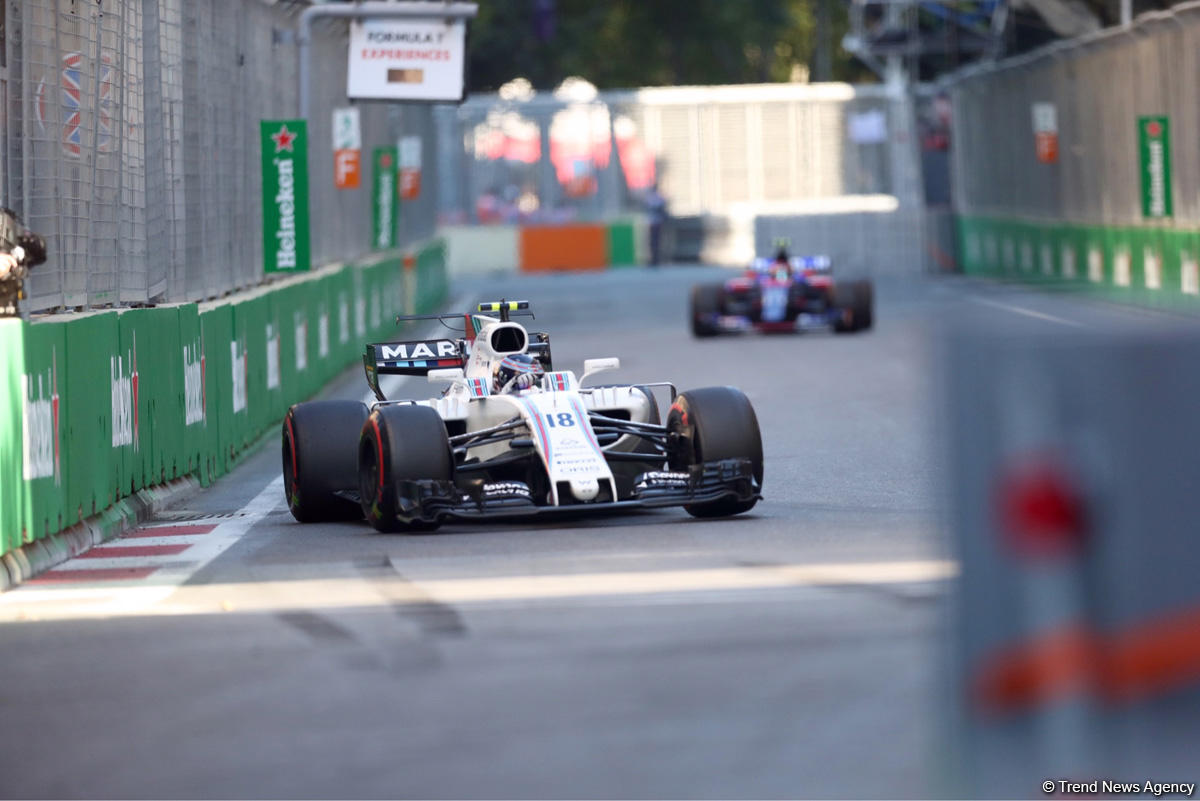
x: 516, y: 372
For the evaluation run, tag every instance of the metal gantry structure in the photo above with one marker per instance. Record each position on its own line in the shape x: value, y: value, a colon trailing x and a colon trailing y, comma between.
x: 893, y: 36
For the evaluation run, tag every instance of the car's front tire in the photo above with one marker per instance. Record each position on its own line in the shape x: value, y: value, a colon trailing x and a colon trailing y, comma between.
x: 708, y: 425
x: 398, y: 443
x: 855, y: 301
x: 320, y: 459
x: 706, y: 301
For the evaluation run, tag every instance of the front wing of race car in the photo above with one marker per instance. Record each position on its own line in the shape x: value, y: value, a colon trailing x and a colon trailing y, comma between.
x: 430, y: 501
x: 737, y: 323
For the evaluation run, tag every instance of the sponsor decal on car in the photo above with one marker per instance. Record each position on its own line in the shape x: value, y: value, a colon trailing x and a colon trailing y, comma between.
x: 664, y: 478
x: 431, y: 349
x: 507, y: 488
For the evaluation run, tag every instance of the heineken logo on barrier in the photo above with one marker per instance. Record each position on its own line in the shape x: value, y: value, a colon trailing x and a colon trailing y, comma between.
x: 1068, y: 261
x: 285, y: 196
x: 239, y: 368
x: 323, y: 334
x: 195, y: 393
x: 1152, y: 268
x: 300, y: 331
x: 343, y: 319
x: 1189, y: 273
x: 124, y: 394
x: 376, y: 312
x: 383, y: 229
x: 272, y: 356
x: 40, y: 424
x: 1122, y: 266
x: 1095, y: 265
x: 1154, y: 150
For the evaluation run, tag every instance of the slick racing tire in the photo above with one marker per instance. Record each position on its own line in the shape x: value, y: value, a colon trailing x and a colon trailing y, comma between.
x: 706, y: 300
x: 397, y: 443
x: 856, y: 302
x: 320, y: 459
x: 710, y: 424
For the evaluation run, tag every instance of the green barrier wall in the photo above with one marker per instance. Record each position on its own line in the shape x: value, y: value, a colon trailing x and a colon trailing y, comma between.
x: 91, y: 476
x: 622, y: 251
x: 102, y: 405
x: 1152, y: 266
x: 47, y: 363
x: 12, y: 484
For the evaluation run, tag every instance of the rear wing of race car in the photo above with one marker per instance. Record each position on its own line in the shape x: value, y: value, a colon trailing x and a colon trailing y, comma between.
x: 420, y: 356
x: 819, y: 264
x: 410, y: 358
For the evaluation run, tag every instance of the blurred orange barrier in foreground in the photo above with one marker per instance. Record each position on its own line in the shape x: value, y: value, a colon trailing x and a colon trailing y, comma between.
x: 563, y: 247
x: 1152, y: 657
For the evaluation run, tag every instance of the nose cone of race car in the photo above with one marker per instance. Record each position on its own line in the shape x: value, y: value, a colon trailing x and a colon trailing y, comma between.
x: 585, y: 489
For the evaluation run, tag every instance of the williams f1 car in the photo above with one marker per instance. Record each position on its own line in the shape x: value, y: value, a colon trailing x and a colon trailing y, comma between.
x: 783, y: 294
x: 512, y: 437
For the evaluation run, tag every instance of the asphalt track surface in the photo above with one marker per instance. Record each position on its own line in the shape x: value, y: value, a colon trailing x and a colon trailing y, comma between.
x: 795, y: 651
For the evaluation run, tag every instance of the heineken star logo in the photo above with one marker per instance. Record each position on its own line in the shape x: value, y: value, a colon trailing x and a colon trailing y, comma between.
x: 283, y: 139
x: 385, y: 161
x: 1154, y: 129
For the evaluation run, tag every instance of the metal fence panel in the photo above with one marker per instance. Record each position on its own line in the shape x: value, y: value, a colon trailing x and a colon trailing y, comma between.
x: 130, y: 140
x: 1099, y: 85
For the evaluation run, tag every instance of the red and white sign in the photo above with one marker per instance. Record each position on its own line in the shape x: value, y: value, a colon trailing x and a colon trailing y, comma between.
x: 347, y: 149
x: 407, y: 59
x: 1045, y: 132
x: 410, y: 167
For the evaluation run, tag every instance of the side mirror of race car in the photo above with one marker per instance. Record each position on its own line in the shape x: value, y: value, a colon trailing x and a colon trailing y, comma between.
x: 593, y: 366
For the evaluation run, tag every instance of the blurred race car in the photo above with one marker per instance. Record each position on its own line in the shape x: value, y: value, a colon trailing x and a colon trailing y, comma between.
x: 512, y: 437
x: 782, y: 294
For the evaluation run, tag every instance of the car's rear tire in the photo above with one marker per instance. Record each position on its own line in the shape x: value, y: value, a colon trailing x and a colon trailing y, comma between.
x: 320, y: 459
x: 710, y: 424
x: 706, y: 300
x: 397, y: 443
x: 855, y: 300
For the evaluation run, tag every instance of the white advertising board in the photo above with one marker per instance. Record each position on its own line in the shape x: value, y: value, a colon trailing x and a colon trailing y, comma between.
x: 407, y: 59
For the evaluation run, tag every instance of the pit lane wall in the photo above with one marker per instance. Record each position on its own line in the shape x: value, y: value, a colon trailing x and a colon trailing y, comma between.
x: 101, y: 405
x: 1154, y: 266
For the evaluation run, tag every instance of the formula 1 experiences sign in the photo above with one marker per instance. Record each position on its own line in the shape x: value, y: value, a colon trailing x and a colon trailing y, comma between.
x: 407, y: 59
x: 285, y: 195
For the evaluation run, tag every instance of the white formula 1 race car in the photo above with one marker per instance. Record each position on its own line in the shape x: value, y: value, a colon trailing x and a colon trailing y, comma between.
x: 512, y: 437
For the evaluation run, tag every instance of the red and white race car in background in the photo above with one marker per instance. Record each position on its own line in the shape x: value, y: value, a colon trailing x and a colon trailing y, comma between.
x: 784, y: 294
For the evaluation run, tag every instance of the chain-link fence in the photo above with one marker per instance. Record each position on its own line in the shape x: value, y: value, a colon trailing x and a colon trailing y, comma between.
x: 1090, y: 94
x: 712, y: 149
x: 130, y: 140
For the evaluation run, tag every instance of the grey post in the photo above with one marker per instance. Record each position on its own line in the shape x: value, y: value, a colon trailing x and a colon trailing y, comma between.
x: 369, y: 9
